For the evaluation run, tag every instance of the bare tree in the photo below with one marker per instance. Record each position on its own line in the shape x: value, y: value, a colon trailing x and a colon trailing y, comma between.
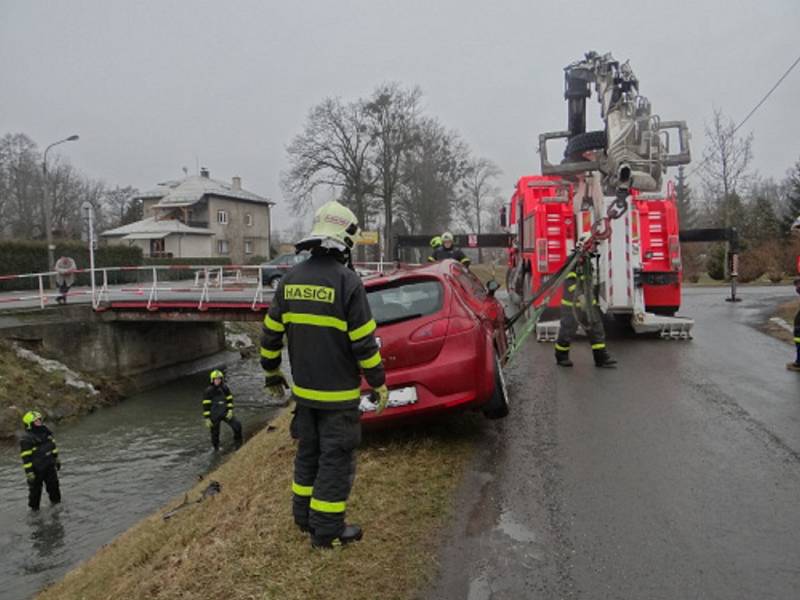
x: 332, y: 151
x: 117, y: 203
x: 725, y: 164
x: 21, y: 187
x: 392, y: 114
x: 431, y: 171
x: 479, y: 189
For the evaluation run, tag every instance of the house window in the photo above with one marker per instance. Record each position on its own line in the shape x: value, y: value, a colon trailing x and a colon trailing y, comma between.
x: 222, y: 217
x: 222, y: 246
x: 248, y: 219
x: 248, y: 246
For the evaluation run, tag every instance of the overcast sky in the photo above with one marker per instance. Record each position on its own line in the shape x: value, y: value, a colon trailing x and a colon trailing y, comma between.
x: 153, y: 86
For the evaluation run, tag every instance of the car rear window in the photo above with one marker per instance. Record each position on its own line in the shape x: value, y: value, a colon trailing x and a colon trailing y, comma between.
x: 405, y: 300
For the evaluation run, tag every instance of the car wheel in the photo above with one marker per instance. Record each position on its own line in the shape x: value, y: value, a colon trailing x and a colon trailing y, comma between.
x: 273, y: 283
x: 497, y: 406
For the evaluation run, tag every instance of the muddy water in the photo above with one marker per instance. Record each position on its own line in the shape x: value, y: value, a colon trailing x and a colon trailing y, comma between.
x: 119, y: 464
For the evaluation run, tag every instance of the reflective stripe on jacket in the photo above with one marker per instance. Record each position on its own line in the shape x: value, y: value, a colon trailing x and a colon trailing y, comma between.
x: 38, y: 449
x: 217, y: 400
x: 321, y: 307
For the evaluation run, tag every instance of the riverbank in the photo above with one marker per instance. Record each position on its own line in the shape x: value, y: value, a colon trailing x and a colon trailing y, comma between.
x: 242, y: 543
x: 782, y: 329
x: 58, y: 393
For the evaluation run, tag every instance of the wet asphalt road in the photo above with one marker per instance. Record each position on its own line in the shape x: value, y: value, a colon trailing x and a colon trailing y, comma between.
x: 675, y: 476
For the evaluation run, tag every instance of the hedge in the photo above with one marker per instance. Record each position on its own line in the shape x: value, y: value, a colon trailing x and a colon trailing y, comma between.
x: 22, y: 256
x: 178, y: 274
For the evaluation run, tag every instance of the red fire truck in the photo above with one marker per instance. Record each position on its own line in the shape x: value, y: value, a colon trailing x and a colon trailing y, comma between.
x: 638, y: 269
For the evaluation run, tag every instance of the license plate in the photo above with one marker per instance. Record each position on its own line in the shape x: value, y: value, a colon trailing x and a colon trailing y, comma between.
x: 397, y: 397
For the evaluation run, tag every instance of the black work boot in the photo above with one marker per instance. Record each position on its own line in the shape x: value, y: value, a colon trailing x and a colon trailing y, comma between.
x: 603, y: 359
x: 351, y: 533
x: 562, y: 358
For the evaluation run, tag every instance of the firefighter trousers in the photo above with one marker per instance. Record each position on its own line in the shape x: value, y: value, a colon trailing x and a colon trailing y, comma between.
x: 569, y: 327
x: 324, y: 467
x: 235, y: 426
x: 48, y: 478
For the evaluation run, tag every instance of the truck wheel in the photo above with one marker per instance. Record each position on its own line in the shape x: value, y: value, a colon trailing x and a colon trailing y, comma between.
x: 583, y: 142
x: 497, y: 406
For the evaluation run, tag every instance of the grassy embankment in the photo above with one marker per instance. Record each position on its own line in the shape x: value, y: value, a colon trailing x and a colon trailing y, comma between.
x: 242, y: 543
x: 25, y: 385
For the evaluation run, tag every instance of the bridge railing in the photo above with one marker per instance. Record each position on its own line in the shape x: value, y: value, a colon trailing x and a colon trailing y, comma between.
x: 204, y: 281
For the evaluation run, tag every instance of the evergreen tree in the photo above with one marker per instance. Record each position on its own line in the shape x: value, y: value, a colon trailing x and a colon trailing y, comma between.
x: 687, y: 213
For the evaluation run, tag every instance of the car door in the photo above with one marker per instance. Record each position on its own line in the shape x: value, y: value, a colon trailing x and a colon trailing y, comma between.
x: 488, y: 309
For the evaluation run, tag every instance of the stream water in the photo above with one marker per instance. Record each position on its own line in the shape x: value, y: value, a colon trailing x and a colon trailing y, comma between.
x: 119, y: 464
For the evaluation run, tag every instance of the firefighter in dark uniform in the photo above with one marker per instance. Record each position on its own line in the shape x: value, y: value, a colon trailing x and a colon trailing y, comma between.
x: 448, y: 250
x: 321, y: 307
x: 39, y: 459
x: 218, y: 407
x: 436, y: 242
x: 578, y: 297
x: 795, y: 366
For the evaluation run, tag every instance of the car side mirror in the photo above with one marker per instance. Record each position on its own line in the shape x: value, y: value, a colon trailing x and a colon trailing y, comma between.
x: 492, y: 286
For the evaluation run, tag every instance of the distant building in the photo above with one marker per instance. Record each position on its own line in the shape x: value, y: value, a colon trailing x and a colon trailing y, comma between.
x: 199, y: 217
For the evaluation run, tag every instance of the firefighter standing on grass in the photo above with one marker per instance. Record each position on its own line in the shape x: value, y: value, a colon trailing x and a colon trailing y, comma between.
x: 39, y: 460
x: 218, y: 407
x: 321, y: 307
x: 578, y: 300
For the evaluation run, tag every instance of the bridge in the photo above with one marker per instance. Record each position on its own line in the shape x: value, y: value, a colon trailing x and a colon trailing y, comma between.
x: 154, y: 293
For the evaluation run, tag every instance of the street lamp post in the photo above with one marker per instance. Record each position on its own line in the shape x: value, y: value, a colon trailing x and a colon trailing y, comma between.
x: 88, y: 210
x: 47, y: 216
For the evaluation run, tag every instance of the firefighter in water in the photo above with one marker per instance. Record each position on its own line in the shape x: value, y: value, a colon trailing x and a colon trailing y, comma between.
x: 218, y: 407
x: 39, y: 459
x: 448, y: 250
x: 321, y: 307
x: 436, y: 242
x: 795, y: 366
x: 579, y: 302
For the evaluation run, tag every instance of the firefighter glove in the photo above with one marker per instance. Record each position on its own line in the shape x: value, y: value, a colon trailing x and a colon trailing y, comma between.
x: 208, y: 422
x: 275, y: 383
x: 31, y: 476
x: 229, y: 414
x: 380, y: 397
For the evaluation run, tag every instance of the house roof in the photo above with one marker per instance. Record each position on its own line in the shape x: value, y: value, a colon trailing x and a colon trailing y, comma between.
x: 151, y: 226
x: 185, y: 192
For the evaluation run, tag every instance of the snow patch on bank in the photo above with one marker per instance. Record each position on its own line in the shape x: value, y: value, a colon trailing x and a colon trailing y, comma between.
x: 71, y: 378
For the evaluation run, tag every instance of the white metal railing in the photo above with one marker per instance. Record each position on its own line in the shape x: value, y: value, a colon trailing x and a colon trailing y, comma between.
x: 207, y: 279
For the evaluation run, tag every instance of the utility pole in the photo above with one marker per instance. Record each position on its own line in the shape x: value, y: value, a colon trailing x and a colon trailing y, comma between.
x: 48, y: 226
x: 88, y: 210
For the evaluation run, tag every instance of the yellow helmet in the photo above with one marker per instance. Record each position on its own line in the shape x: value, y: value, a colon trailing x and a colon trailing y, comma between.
x: 217, y: 374
x: 436, y: 241
x: 30, y: 417
x: 333, y: 222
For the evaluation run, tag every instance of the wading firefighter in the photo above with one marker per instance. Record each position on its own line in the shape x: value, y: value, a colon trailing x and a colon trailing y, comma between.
x: 39, y: 459
x: 218, y: 407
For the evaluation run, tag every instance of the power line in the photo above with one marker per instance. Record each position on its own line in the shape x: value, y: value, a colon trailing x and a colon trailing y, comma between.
x: 752, y: 112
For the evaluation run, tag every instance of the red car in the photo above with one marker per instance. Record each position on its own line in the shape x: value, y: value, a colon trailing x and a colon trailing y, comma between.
x: 442, y: 338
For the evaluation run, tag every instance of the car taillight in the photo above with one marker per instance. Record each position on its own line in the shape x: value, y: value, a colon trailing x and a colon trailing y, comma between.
x: 675, y: 252
x: 459, y: 324
x: 430, y: 331
x: 541, y: 254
